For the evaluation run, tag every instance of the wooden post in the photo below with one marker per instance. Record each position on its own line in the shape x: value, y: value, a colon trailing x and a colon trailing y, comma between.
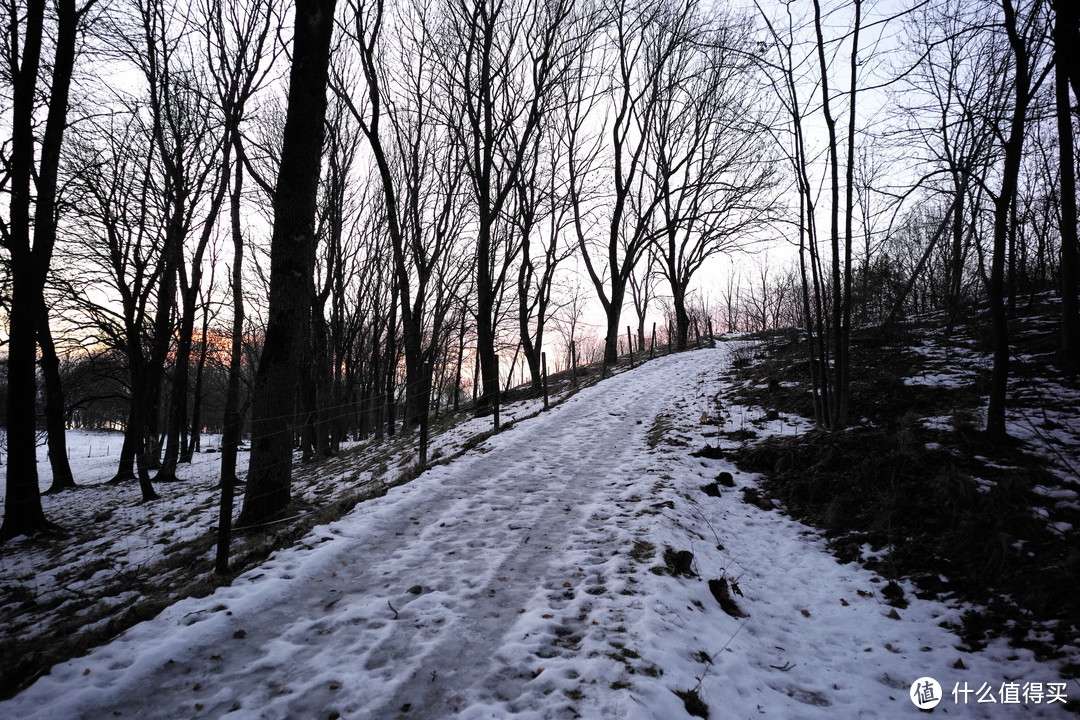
x: 573, y: 361
x: 543, y: 373
x: 498, y: 391
x: 630, y: 346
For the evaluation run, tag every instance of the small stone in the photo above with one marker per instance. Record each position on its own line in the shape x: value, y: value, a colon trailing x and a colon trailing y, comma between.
x: 416, y: 589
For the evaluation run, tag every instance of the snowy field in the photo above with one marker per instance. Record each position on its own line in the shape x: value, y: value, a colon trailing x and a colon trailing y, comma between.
x: 543, y: 574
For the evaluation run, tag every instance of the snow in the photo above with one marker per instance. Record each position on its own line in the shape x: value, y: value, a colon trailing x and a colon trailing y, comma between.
x: 517, y: 582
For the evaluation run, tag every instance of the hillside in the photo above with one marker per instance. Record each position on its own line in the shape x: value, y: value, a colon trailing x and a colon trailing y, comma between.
x: 602, y: 559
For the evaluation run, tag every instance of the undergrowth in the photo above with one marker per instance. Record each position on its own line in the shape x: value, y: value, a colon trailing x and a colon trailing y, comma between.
x: 939, y: 504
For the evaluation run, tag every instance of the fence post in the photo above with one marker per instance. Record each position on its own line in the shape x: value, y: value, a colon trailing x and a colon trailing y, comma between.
x: 543, y: 373
x: 498, y: 390
x: 573, y: 360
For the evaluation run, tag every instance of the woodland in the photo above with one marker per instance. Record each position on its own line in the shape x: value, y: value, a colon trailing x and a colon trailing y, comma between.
x: 303, y: 223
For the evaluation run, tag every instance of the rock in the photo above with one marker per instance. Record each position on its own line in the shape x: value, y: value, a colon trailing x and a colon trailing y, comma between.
x: 725, y: 479
x: 416, y: 589
x: 712, y: 490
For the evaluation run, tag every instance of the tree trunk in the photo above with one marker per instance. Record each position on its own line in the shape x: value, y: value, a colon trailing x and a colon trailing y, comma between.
x: 485, y: 322
x: 613, y: 312
x: 54, y: 408
x: 1066, y: 30
x: 292, y: 260
x: 230, y: 436
x: 29, y: 264
x: 195, y: 440
x: 178, y: 408
x: 1014, y: 145
x: 125, y: 469
x: 682, y: 318
x: 230, y: 432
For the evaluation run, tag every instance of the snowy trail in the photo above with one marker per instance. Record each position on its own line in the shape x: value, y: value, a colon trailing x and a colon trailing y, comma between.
x: 525, y: 580
x: 507, y: 544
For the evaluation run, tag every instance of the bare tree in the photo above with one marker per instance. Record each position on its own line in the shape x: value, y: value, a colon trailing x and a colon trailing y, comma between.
x: 801, y: 63
x: 1026, y: 33
x: 643, y: 292
x: 1066, y: 36
x: 29, y: 233
x: 118, y: 253
x: 952, y: 100
x: 292, y: 265
x: 502, y: 61
x: 641, y: 37
x: 708, y: 162
x: 421, y: 175
x: 541, y: 210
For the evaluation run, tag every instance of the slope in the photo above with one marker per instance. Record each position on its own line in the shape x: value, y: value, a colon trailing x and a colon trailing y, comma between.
x: 540, y: 576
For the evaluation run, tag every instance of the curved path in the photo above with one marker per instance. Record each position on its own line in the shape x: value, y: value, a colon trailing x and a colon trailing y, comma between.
x: 486, y: 587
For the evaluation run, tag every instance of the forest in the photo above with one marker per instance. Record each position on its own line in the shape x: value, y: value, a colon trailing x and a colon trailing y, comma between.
x: 538, y: 358
x: 298, y: 224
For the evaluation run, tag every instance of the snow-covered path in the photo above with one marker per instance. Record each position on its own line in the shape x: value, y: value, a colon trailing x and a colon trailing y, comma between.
x: 503, y: 546
x: 515, y: 582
